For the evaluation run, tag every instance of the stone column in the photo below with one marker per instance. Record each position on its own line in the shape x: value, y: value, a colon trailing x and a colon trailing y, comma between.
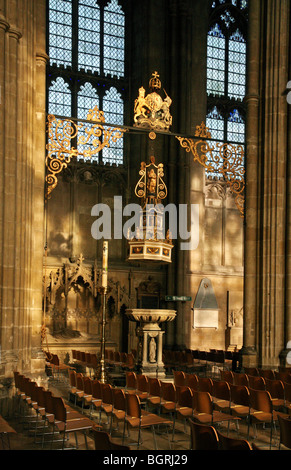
x: 251, y: 193
x: 266, y: 181
x: 22, y: 156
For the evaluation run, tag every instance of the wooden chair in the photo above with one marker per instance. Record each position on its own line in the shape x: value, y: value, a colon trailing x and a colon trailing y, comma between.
x: 155, y: 394
x: 285, y: 431
x: 203, y: 437
x: 240, y: 401
x: 66, y: 426
x: 221, y: 395
x: 107, y: 401
x: 287, y: 396
x: 168, y: 399
x: 142, y: 389
x: 276, y: 389
x: 267, y: 373
x: 204, y: 412
x: 119, y: 408
x: 254, y: 371
x: 139, y: 419
x: 96, y: 399
x: 184, y: 407
x: 231, y: 443
x: 103, y: 441
x: 131, y: 381
x: 261, y: 410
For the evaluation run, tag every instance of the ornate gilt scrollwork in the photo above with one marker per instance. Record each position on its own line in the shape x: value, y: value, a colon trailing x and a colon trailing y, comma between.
x: 226, y: 158
x: 91, y: 139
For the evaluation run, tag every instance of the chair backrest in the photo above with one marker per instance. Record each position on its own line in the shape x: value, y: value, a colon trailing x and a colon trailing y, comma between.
x: 94, y: 361
x: 239, y: 394
x: 231, y: 443
x: 133, y: 407
x: 240, y: 379
x: 285, y: 431
x: 205, y: 384
x: 96, y: 389
x: 267, y: 373
x: 221, y: 389
x: 48, y: 399
x: 72, y: 377
x: 87, y: 382
x: 257, y: 382
x: 203, y: 437
x: 142, y: 383
x: 227, y: 375
x: 59, y: 409
x: 131, y: 381
x: 79, y: 381
x: 119, y: 399
x: 185, y: 397
x: 169, y: 392
x: 107, y: 394
x: 251, y: 371
x: 202, y: 402
x: 260, y: 400
x: 101, y: 440
x: 192, y: 381
x: 179, y: 378
x: 276, y: 388
x: 155, y: 386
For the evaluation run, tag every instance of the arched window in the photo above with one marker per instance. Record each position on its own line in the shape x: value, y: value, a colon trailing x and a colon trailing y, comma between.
x: 86, y: 46
x: 226, y: 72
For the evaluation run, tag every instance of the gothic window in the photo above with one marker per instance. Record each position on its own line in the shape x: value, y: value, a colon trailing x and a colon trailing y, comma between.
x: 86, y: 47
x: 226, y: 74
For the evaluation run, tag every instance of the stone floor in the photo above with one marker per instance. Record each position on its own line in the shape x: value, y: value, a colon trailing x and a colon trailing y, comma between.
x: 24, y: 439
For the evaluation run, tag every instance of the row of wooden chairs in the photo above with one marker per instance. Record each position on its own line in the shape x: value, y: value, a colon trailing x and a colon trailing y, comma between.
x: 117, y: 404
x: 238, y: 401
x: 51, y: 412
x: 206, y: 437
x: 117, y: 359
x: 187, y: 359
x: 280, y: 392
x: 54, y: 363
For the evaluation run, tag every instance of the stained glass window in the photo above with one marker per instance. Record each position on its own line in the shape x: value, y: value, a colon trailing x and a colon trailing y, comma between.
x: 89, y: 44
x: 226, y: 75
x: 113, y: 113
x: 114, y: 39
x: 59, y: 98
x: 86, y: 46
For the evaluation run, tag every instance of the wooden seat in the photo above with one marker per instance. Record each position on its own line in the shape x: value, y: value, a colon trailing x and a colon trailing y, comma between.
x: 205, y: 384
x: 221, y: 395
x: 240, y: 379
x: 179, y: 378
x: 107, y: 401
x: 231, y: 443
x: 240, y: 401
x: 227, y: 376
x: 203, y: 437
x: 261, y: 410
x: 276, y: 389
x: 103, y: 441
x: 119, y: 408
x: 139, y: 419
x: 184, y: 406
x: 65, y: 425
x: 192, y: 381
x: 204, y: 412
x: 168, y: 399
x: 155, y: 394
x: 285, y: 431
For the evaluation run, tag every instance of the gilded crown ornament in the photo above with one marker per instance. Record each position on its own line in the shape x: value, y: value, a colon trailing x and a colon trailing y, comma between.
x: 151, y: 110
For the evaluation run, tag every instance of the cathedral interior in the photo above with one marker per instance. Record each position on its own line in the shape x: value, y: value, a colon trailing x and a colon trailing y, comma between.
x: 145, y: 216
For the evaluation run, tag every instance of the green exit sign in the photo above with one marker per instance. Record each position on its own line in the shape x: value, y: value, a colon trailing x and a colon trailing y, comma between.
x: 177, y: 298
